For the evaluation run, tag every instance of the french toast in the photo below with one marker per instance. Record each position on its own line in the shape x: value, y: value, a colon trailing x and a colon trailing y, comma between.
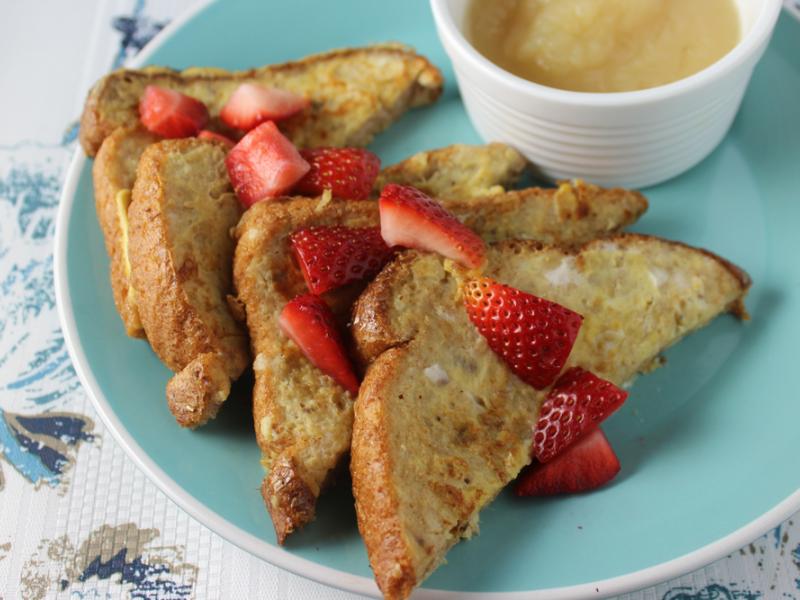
x: 303, y: 418
x: 354, y: 93
x: 181, y: 254
x: 441, y: 428
x: 113, y: 173
x: 457, y: 171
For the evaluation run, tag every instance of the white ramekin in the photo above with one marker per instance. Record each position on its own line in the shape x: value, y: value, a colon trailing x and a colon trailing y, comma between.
x: 631, y: 139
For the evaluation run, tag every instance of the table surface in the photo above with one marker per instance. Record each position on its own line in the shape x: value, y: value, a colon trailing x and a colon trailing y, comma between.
x: 83, y: 522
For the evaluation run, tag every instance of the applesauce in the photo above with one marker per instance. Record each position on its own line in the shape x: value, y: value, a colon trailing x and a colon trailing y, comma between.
x: 603, y: 45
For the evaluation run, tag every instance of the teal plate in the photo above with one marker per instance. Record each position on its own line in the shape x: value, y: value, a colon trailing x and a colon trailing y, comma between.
x: 708, y: 444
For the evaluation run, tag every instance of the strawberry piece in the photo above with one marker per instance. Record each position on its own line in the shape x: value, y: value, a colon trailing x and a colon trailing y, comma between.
x: 576, y: 404
x: 334, y: 256
x: 584, y: 466
x: 252, y: 104
x: 217, y: 137
x: 412, y: 219
x: 310, y: 323
x: 264, y: 164
x: 533, y: 335
x: 348, y: 172
x: 171, y: 114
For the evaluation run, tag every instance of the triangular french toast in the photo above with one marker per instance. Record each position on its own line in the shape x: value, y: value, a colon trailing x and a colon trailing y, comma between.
x: 441, y: 428
x: 354, y: 93
x: 303, y: 418
x: 180, y: 251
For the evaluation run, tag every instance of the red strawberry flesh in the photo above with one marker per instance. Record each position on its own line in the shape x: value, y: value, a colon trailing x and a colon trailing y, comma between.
x: 576, y: 404
x: 171, y: 114
x: 532, y: 335
x: 584, y: 466
x: 348, y: 172
x: 310, y: 323
x: 412, y: 219
x: 264, y: 164
x: 252, y: 104
x: 330, y: 257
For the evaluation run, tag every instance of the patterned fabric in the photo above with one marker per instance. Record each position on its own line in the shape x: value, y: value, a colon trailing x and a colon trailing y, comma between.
x: 78, y: 520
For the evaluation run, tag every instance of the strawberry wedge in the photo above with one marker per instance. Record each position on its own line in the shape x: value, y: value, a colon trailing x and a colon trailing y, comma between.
x: 412, y: 219
x: 310, y: 323
x: 576, y: 404
x: 330, y: 257
x: 347, y: 172
x: 532, y: 335
x: 584, y: 466
x: 252, y: 104
x: 171, y: 114
x: 264, y: 164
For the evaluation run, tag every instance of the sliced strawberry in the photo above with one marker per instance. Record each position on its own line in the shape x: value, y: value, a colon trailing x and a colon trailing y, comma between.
x: 252, y: 104
x: 348, y: 172
x: 412, y: 219
x: 264, y: 164
x: 334, y: 256
x: 576, y: 404
x: 533, y: 335
x: 217, y: 137
x: 584, y: 466
x: 310, y: 323
x: 171, y: 114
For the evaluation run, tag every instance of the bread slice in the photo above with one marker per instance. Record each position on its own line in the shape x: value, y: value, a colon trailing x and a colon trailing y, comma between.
x: 441, y: 427
x: 458, y: 171
x: 355, y: 93
x: 114, y: 171
x: 303, y: 419
x: 181, y: 255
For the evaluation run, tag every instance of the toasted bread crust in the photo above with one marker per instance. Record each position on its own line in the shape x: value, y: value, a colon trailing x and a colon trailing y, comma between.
x: 382, y: 82
x: 195, y: 394
x: 180, y: 255
x: 638, y: 295
x: 291, y: 503
x: 113, y: 175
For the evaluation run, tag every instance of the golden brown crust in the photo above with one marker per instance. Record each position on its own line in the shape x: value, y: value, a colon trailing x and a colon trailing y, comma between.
x: 377, y: 508
x: 382, y: 83
x: 180, y: 254
x: 113, y: 175
x: 195, y: 394
x: 291, y: 503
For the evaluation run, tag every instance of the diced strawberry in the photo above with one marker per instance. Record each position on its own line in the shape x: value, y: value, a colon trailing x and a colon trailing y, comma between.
x: 348, y: 172
x: 412, y: 219
x: 584, y: 466
x: 310, y: 323
x: 217, y: 137
x: 334, y: 256
x: 171, y: 114
x: 252, y: 104
x: 576, y: 404
x: 533, y: 335
x: 264, y: 164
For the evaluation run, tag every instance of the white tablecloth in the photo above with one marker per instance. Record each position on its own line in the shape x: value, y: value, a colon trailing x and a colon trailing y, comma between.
x: 77, y: 519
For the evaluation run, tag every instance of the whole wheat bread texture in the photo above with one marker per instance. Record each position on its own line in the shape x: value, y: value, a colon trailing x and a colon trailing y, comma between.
x: 303, y: 419
x: 442, y: 425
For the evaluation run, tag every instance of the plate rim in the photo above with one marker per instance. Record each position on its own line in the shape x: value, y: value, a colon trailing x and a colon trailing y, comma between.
x: 284, y: 559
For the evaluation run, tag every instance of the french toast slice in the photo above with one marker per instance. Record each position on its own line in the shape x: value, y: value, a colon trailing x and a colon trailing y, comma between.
x: 441, y: 428
x: 303, y: 419
x: 457, y: 171
x: 113, y: 173
x: 181, y: 255
x: 372, y: 86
